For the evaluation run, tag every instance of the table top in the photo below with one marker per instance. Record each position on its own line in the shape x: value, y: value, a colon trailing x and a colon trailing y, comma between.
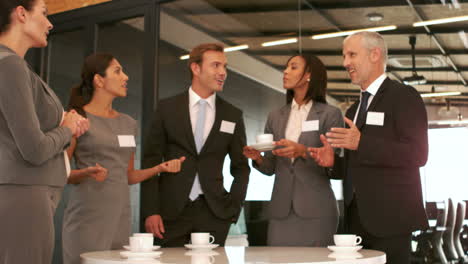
x: 243, y: 255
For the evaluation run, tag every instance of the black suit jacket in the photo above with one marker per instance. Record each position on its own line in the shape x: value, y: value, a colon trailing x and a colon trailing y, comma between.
x: 385, y: 167
x: 172, y: 137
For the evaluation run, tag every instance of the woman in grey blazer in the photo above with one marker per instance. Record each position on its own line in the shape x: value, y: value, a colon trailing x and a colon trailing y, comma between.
x: 303, y: 209
x: 34, y: 132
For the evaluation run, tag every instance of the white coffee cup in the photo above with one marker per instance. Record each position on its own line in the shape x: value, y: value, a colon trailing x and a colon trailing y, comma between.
x: 141, y: 243
x: 202, y: 259
x: 264, y: 138
x: 201, y: 238
x: 347, y: 240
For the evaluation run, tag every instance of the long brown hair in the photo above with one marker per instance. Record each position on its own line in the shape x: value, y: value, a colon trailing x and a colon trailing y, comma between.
x: 317, y: 90
x: 82, y: 94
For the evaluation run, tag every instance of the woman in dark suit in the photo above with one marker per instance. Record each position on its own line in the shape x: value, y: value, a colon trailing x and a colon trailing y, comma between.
x: 34, y: 132
x: 303, y: 208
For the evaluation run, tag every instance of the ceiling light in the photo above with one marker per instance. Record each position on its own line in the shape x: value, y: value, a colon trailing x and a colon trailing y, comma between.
x: 279, y: 42
x: 440, y: 21
x: 374, y: 17
x: 346, y: 33
x: 414, y: 79
x: 440, y: 94
x: 234, y: 48
x: 228, y: 49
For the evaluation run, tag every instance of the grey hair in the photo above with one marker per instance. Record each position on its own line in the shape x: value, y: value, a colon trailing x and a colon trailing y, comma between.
x: 373, y: 40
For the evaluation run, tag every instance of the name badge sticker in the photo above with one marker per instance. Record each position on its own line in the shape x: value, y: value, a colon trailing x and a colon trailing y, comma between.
x: 375, y: 118
x: 310, y: 125
x: 126, y: 141
x: 227, y: 127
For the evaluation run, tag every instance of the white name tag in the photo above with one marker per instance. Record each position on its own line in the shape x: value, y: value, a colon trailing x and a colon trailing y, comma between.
x: 227, y: 127
x: 310, y: 125
x: 126, y: 141
x: 375, y: 118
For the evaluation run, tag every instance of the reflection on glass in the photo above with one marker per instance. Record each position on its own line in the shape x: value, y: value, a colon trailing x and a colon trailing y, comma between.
x: 66, y: 57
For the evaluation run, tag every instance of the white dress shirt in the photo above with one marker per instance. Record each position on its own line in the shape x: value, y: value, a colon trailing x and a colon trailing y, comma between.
x: 372, y: 89
x: 209, y: 119
x: 297, y: 116
x: 210, y: 111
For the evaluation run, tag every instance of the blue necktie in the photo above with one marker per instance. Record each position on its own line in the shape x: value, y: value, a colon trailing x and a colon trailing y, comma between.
x: 199, y: 141
x: 362, y: 114
x: 361, y: 119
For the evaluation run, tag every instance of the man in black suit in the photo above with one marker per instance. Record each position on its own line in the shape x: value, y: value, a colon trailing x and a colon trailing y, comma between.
x: 204, y: 128
x: 385, y: 143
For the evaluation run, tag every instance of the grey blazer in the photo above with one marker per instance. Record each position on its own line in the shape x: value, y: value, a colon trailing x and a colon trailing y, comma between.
x: 302, y: 185
x: 31, y: 140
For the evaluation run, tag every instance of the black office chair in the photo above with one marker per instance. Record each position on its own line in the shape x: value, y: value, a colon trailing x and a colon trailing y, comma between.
x: 438, y: 232
x: 458, y: 227
x: 429, y: 242
x: 448, y: 245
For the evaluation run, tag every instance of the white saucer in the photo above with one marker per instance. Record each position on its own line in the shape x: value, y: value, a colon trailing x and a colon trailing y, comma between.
x: 352, y: 255
x: 140, y: 255
x: 127, y: 247
x: 344, y: 250
x: 201, y: 253
x: 197, y: 247
x: 265, y: 146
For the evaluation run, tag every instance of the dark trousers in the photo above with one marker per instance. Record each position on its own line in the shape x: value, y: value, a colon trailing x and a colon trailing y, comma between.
x: 397, y: 248
x: 196, y: 217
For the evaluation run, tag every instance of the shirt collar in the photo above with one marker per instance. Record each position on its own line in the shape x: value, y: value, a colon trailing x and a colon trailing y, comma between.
x: 194, y: 98
x: 375, y: 85
x: 306, y: 107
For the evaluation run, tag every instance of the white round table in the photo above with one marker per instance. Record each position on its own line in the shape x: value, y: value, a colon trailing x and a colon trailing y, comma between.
x: 242, y: 255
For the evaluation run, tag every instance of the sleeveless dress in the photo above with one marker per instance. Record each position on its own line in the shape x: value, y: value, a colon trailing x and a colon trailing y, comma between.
x: 98, y: 215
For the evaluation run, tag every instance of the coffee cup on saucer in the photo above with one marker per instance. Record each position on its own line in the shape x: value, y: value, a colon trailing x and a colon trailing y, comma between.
x: 201, y: 238
x: 141, y: 242
x: 264, y: 138
x: 347, y: 240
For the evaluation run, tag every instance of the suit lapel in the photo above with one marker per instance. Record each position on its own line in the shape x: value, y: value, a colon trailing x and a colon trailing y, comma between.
x: 283, y: 120
x: 186, y: 122
x: 351, y: 112
x: 373, y: 103
x: 314, y: 114
x: 379, y: 94
x: 216, y: 124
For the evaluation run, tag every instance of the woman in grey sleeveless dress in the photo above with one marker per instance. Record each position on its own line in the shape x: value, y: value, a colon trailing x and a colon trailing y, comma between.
x: 97, y: 216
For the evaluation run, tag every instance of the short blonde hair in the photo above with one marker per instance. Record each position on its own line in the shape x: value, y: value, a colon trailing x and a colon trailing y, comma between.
x: 196, y: 55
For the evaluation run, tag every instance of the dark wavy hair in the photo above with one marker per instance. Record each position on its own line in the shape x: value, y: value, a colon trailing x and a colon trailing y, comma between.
x: 81, y: 95
x: 7, y: 6
x: 317, y: 90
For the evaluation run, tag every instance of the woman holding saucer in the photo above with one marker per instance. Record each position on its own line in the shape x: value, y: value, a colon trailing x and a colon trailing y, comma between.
x: 303, y: 209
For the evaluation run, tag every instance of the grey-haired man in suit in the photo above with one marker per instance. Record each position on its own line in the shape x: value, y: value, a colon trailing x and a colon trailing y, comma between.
x: 385, y: 145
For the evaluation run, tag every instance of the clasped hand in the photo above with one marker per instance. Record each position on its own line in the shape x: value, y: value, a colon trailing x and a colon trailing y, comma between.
x: 75, y: 122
